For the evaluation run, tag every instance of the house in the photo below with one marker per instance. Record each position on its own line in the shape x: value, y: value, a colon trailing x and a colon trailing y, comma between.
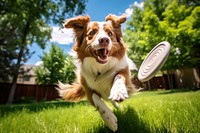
x: 27, y: 75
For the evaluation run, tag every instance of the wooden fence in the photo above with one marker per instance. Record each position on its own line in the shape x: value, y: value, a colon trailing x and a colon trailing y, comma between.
x: 27, y: 93
x: 153, y: 84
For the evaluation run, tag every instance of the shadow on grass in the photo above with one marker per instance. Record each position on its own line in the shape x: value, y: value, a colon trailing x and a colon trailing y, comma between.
x: 174, y: 91
x: 35, y: 107
x: 128, y: 122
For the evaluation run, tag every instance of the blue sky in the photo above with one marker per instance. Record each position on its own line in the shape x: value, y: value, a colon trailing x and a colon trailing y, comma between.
x: 97, y: 10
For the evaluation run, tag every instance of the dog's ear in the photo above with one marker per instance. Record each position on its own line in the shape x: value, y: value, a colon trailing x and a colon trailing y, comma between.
x: 78, y: 24
x: 116, y: 21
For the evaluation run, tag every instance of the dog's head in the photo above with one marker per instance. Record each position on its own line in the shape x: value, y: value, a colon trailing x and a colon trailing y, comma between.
x: 99, y: 40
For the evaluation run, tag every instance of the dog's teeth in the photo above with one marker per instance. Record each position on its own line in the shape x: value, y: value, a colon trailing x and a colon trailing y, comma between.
x: 105, y: 51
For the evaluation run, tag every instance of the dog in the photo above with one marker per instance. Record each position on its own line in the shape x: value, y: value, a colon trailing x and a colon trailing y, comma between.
x: 103, y: 68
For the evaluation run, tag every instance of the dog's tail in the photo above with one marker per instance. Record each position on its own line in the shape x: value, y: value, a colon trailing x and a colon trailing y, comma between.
x: 71, y: 92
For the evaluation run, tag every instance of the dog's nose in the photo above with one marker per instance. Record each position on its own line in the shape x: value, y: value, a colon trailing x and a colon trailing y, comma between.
x: 104, y: 41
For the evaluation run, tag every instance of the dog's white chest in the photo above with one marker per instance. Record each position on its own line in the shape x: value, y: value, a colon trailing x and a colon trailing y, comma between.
x: 99, y: 77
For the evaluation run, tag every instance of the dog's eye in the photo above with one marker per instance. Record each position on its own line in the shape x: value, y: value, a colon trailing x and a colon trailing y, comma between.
x: 110, y: 33
x: 92, y: 33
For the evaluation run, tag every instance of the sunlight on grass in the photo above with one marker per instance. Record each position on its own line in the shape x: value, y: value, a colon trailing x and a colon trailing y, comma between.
x: 156, y: 111
x: 175, y: 112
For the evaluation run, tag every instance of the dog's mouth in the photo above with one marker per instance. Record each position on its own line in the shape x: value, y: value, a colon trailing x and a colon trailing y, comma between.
x: 101, y: 55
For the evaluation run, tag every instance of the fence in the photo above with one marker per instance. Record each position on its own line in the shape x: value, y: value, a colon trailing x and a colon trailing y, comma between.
x: 26, y: 92
x: 153, y: 84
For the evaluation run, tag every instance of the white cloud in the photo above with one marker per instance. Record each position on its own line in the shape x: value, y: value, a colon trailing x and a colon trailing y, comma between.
x: 139, y: 5
x: 62, y: 36
x: 129, y: 11
x: 38, y: 63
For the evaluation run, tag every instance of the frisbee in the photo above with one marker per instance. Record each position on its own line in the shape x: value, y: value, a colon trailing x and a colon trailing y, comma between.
x: 154, y: 61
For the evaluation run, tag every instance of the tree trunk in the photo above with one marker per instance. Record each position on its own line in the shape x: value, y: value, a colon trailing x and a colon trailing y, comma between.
x: 14, y: 81
x: 19, y: 58
x: 12, y: 92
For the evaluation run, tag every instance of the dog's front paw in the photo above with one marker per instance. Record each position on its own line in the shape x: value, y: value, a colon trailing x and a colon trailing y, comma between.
x: 118, y: 90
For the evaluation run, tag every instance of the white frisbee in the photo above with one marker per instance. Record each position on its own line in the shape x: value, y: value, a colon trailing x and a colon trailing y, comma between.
x: 154, y: 61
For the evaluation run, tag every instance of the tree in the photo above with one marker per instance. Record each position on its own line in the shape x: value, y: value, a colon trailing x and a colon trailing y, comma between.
x: 57, y: 66
x: 183, y: 29
x: 23, y: 23
x: 178, y: 23
x: 175, y: 21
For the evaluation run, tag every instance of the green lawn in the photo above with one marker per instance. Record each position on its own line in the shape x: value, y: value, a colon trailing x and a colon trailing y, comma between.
x: 155, y: 111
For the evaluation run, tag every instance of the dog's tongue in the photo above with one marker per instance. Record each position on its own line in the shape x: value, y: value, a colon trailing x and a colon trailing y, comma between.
x: 102, y: 55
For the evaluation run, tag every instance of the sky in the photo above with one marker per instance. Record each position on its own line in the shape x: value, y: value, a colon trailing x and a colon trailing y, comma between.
x: 97, y: 10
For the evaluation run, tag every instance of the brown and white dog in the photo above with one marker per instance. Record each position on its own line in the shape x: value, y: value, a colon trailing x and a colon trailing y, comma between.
x: 103, y: 70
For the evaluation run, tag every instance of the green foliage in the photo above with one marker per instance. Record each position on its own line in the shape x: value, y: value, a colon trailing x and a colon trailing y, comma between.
x: 24, y: 22
x: 55, y: 67
x: 147, y: 112
x: 174, y: 21
x: 69, y: 70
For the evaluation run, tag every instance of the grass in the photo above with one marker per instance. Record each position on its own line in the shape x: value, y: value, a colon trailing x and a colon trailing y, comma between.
x: 154, y: 111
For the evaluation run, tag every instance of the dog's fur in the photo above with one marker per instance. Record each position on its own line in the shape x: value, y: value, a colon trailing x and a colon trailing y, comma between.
x: 103, y: 65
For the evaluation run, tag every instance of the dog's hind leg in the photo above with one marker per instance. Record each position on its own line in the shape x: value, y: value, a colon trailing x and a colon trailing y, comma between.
x: 108, y: 116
